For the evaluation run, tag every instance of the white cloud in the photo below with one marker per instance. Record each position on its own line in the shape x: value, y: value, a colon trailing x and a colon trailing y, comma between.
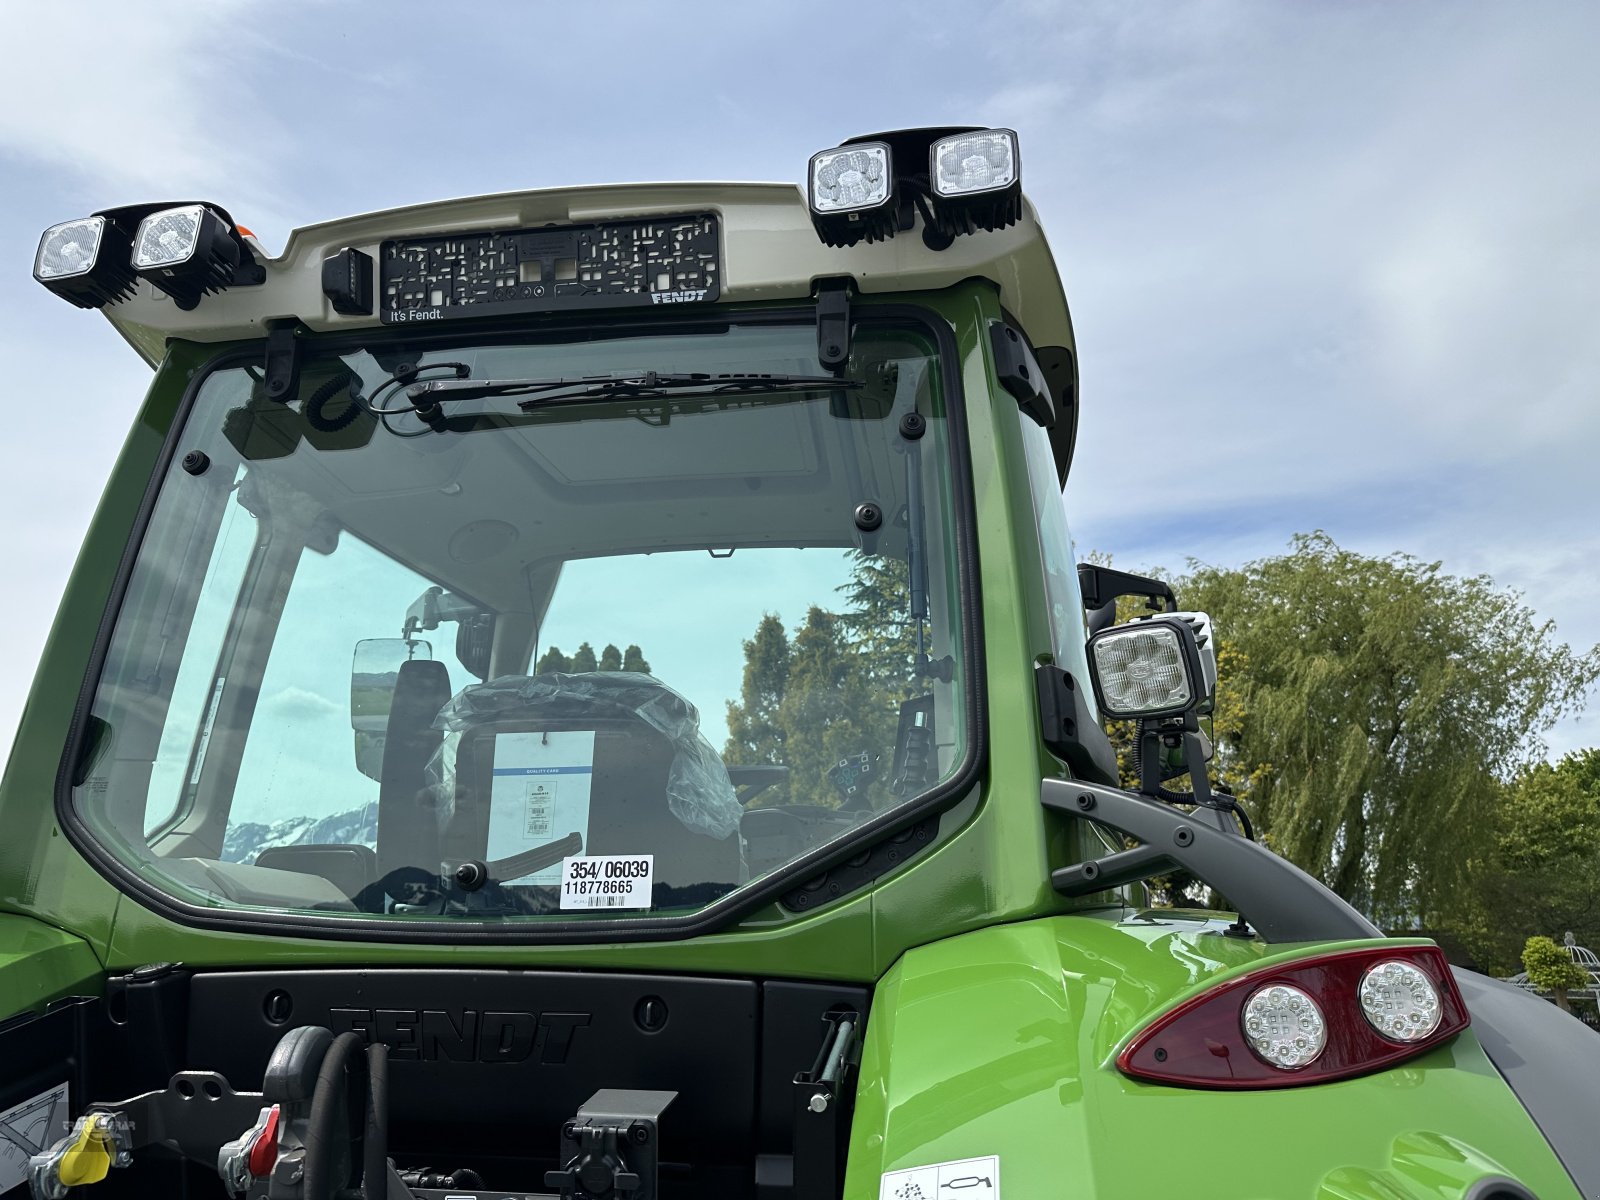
x: 143, y: 101
x: 302, y: 704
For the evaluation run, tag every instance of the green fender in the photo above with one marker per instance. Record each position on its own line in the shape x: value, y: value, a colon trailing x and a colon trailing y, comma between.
x: 1002, y: 1042
x: 40, y: 963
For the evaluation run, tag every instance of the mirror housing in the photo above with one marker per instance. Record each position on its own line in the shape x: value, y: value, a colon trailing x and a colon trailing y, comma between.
x: 374, y: 671
x: 1101, y: 587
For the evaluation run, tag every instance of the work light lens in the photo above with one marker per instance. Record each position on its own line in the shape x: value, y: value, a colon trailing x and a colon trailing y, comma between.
x: 975, y: 162
x: 1141, y: 670
x: 69, y: 249
x: 168, y: 237
x: 1284, y: 1027
x: 1400, y: 1001
x: 850, y: 178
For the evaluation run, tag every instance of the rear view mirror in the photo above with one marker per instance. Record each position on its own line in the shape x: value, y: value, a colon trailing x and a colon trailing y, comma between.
x: 374, y: 671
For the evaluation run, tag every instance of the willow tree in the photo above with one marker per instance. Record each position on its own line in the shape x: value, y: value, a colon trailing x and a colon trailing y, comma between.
x: 1380, y: 705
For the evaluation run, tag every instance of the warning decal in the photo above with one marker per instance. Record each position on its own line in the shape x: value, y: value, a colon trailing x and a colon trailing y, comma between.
x: 965, y: 1179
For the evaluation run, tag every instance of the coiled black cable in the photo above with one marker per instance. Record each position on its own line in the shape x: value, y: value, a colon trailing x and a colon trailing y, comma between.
x: 313, y: 410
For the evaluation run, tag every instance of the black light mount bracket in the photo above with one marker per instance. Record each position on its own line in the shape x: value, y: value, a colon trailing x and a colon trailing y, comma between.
x: 1283, y: 902
x: 1020, y: 374
x: 1068, y: 727
x: 281, y: 379
x: 833, y: 322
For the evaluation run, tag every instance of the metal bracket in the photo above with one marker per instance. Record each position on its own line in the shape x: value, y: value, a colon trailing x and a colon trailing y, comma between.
x: 194, y: 1114
x: 833, y: 322
x: 821, y: 1116
x: 1277, y: 897
x: 1068, y: 727
x: 282, y: 376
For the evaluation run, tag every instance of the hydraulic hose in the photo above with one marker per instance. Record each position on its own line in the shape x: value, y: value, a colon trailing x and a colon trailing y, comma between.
x: 375, y: 1141
x: 338, y: 1109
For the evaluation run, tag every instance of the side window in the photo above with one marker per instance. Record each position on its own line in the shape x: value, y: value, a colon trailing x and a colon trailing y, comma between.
x: 192, y: 689
x: 1067, y: 634
x: 298, y: 780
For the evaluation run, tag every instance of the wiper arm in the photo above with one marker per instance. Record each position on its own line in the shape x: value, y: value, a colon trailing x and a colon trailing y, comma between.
x: 427, y: 394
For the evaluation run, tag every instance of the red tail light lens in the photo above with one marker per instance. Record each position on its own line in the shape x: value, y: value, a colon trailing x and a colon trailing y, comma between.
x: 1308, y: 1022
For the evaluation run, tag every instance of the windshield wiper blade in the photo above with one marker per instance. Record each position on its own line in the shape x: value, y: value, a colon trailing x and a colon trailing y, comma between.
x: 428, y: 393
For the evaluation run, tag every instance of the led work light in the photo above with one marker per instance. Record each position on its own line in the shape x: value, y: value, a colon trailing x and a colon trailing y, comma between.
x: 85, y: 262
x: 1155, y: 667
x: 873, y: 187
x: 852, y: 193
x: 976, y: 181
x: 187, y: 252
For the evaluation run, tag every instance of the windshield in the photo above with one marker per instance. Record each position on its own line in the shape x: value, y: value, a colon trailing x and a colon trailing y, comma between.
x: 619, y: 658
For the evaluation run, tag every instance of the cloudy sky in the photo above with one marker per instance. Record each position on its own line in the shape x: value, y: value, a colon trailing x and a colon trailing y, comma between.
x: 1347, y: 254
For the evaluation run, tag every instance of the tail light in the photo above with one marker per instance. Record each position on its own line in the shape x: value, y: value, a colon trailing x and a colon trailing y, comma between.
x: 1309, y: 1021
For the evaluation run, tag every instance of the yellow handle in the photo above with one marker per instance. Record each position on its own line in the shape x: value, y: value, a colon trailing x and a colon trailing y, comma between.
x: 88, y: 1159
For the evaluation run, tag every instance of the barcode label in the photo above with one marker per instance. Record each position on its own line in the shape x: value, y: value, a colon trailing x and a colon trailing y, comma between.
x: 607, y: 881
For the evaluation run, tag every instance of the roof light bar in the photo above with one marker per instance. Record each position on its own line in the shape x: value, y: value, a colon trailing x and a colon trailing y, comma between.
x: 85, y: 262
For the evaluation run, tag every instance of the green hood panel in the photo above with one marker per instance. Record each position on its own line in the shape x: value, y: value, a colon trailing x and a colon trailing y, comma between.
x: 1002, y: 1042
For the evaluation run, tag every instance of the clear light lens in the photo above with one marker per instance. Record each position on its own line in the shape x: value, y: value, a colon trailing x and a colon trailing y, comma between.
x: 1284, y: 1026
x: 168, y: 237
x: 1142, y: 670
x: 69, y: 249
x: 975, y: 162
x: 854, y: 177
x: 1400, y: 1001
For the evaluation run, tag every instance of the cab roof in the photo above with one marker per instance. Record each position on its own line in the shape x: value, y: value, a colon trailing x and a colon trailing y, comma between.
x: 770, y: 252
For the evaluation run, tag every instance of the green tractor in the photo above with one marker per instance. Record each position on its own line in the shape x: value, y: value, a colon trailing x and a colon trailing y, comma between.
x: 339, y: 863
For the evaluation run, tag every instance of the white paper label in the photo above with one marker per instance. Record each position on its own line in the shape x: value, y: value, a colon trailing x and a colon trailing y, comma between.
x: 540, y: 794
x: 607, y: 881
x: 965, y: 1179
x: 40, y: 1122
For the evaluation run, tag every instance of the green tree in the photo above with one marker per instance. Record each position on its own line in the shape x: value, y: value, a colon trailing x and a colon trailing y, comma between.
x: 832, y: 690
x: 1551, y: 969
x: 552, y: 660
x: 1542, y: 868
x: 754, y: 734
x: 611, y: 659
x: 1380, y: 705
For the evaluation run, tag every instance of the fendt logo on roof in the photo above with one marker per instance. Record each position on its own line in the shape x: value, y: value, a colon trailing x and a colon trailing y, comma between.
x: 464, y: 1035
x: 678, y: 297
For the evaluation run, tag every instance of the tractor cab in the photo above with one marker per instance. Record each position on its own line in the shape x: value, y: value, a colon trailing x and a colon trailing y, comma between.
x: 588, y: 693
